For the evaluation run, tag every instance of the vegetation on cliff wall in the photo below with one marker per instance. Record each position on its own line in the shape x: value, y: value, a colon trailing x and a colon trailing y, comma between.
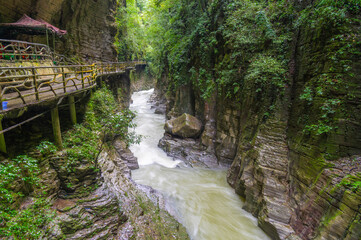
x: 271, y: 70
x: 25, y: 187
x: 19, y: 178
x: 331, y: 88
x: 131, y: 40
x: 236, y: 48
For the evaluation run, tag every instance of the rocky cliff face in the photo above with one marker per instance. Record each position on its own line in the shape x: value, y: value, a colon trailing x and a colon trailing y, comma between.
x: 89, y: 200
x: 281, y: 174
x: 296, y: 180
x: 90, y: 24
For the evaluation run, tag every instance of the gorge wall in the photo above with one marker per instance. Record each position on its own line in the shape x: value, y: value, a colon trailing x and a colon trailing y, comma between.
x: 84, y: 190
x: 90, y: 24
x: 294, y: 146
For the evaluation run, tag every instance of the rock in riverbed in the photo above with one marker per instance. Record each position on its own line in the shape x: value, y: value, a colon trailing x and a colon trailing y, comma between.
x: 185, y: 126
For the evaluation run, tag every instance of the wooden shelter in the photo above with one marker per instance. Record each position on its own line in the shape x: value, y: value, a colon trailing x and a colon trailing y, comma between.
x: 27, y: 25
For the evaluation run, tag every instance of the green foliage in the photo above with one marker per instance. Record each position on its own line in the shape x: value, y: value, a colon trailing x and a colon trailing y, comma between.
x: 103, y: 115
x: 266, y: 72
x: 81, y: 146
x: 27, y: 223
x: 331, y: 86
x: 319, y: 128
x: 8, y: 174
x: 29, y: 169
x: 118, y: 125
x: 103, y: 122
x: 130, y: 41
x: 238, y: 48
x: 307, y: 95
x: 22, y: 169
x: 353, y: 182
x: 213, y: 46
x: 46, y: 148
x: 352, y: 6
x: 18, y: 177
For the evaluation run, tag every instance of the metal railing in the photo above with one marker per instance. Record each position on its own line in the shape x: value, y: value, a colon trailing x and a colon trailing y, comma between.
x: 21, y: 86
x: 21, y: 50
x: 113, y: 67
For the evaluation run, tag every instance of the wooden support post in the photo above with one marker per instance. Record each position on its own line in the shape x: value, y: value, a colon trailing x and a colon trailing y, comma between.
x: 72, y: 109
x: 53, y: 42
x: 82, y: 77
x: 56, y: 127
x: 2, y: 140
x: 64, y: 81
x: 47, y: 38
x: 35, y: 83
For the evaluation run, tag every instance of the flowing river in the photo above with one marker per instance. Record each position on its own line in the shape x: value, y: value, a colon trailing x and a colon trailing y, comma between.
x: 199, y: 198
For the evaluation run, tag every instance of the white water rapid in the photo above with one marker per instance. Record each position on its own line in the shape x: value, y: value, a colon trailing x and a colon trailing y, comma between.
x: 199, y: 198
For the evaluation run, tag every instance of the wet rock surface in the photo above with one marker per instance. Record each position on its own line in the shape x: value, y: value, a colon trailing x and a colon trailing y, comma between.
x: 292, y: 182
x: 325, y: 204
x: 263, y: 180
x: 125, y: 154
x: 189, y: 150
x: 97, y: 216
x: 159, y: 104
x: 144, y: 209
x: 114, y: 207
x: 185, y: 126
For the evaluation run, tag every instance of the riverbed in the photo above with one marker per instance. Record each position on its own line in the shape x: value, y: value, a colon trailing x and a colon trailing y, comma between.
x: 199, y: 198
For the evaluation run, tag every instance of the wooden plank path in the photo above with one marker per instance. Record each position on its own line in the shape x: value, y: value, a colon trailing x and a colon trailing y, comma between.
x: 24, y: 86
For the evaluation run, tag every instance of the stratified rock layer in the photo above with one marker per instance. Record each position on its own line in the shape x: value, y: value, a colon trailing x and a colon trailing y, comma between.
x: 146, y: 216
x: 189, y: 150
x: 294, y: 181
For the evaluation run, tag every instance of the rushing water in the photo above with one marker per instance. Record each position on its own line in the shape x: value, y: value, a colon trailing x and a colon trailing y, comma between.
x: 199, y: 198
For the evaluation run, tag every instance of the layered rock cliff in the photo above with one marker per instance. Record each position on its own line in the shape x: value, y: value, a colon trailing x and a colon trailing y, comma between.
x: 294, y: 154
x: 84, y: 191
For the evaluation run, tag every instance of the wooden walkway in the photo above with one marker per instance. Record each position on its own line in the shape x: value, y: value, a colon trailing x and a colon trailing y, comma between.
x: 23, y: 86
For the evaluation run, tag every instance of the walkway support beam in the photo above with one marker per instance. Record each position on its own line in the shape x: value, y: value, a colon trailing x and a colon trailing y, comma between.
x: 56, y: 127
x: 72, y: 109
x: 2, y: 139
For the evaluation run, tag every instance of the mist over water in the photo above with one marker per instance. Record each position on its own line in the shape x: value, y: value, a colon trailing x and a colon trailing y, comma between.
x: 200, y: 199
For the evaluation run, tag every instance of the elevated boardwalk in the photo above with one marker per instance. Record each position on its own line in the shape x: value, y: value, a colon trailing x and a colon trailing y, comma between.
x: 22, y: 87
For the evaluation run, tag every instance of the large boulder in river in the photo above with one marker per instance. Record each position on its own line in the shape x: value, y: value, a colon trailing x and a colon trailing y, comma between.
x: 185, y: 126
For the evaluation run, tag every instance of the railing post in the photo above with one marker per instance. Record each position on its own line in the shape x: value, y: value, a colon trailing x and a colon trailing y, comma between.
x: 1, y: 98
x: 63, y: 76
x: 72, y: 109
x: 92, y: 74
x: 35, y: 84
x: 2, y: 138
x: 56, y: 127
x: 82, y: 77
